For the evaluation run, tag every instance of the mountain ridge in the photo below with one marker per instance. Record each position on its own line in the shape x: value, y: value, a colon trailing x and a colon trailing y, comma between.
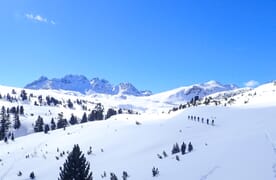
x: 83, y: 85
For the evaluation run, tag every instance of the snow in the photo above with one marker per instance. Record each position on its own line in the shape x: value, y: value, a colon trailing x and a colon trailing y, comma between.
x: 241, y: 144
x: 186, y: 93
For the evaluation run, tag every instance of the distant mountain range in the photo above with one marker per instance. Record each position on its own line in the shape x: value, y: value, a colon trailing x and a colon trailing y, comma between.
x: 186, y: 93
x: 83, y: 85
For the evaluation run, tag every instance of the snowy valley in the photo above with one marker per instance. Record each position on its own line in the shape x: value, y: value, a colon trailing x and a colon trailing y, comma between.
x: 135, y: 128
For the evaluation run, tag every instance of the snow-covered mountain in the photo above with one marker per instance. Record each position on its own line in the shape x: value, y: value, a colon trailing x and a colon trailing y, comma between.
x: 81, y: 84
x: 186, y: 93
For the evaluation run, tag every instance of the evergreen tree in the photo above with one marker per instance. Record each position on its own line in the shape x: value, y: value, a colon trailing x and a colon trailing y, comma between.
x: 110, y: 112
x: 76, y: 167
x: 175, y: 149
x: 46, y: 128
x: 113, y: 176
x: 70, y: 104
x: 120, y: 111
x: 21, y: 111
x: 62, y: 123
x: 73, y: 120
x: 39, y: 124
x: 17, y: 123
x: 23, y: 95
x: 12, y: 137
x: 4, y: 123
x: 183, y: 148
x: 53, y: 124
x: 92, y: 115
x: 99, y: 111
x: 32, y: 176
x: 84, y: 118
x: 6, y: 139
x: 125, y: 175
x: 190, y: 147
x: 155, y: 171
x: 165, y: 154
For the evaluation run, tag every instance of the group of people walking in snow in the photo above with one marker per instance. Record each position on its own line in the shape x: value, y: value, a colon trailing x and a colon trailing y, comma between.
x: 198, y: 119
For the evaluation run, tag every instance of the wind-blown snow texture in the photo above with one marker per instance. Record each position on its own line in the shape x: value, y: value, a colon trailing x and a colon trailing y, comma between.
x: 241, y: 145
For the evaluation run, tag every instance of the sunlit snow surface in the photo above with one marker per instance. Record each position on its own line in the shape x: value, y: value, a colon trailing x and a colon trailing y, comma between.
x: 241, y: 145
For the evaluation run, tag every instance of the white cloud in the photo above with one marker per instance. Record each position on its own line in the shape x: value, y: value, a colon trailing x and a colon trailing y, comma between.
x: 251, y: 83
x: 39, y: 18
x: 53, y: 22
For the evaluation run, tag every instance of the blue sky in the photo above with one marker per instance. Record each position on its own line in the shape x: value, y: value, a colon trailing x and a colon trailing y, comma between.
x: 154, y: 44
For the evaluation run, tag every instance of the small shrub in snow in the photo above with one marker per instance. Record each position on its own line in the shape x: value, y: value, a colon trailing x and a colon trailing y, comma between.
x: 190, y: 147
x: 155, y: 172
x: 32, y: 176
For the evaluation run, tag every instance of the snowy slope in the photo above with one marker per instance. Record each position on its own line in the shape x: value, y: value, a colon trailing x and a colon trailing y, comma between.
x: 241, y: 145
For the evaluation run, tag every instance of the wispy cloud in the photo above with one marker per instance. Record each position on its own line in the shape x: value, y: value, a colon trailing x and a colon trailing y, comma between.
x: 251, y: 83
x: 39, y: 18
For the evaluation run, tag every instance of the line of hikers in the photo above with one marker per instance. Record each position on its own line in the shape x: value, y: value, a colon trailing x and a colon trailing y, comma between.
x: 202, y: 120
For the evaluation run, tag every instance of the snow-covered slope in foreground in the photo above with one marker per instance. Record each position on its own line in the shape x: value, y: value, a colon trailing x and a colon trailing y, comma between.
x: 240, y: 146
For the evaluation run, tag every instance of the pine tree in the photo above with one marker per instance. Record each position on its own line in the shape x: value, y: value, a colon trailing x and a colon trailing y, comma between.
x: 92, y: 115
x: 12, y: 137
x: 73, y: 120
x: 4, y: 123
x: 190, y: 147
x: 125, y: 175
x: 70, y: 104
x: 23, y: 95
x: 21, y: 111
x: 175, y: 149
x: 183, y: 148
x: 113, y: 176
x: 53, y: 124
x: 39, y: 124
x: 76, y: 167
x: 62, y: 123
x: 17, y: 123
x: 155, y: 171
x: 84, y: 118
x: 32, y: 176
x: 99, y: 111
x: 110, y: 112
x: 46, y: 128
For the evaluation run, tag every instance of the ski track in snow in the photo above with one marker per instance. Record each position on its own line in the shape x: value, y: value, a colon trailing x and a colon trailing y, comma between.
x: 33, y: 155
x: 204, y: 177
x: 274, y: 150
